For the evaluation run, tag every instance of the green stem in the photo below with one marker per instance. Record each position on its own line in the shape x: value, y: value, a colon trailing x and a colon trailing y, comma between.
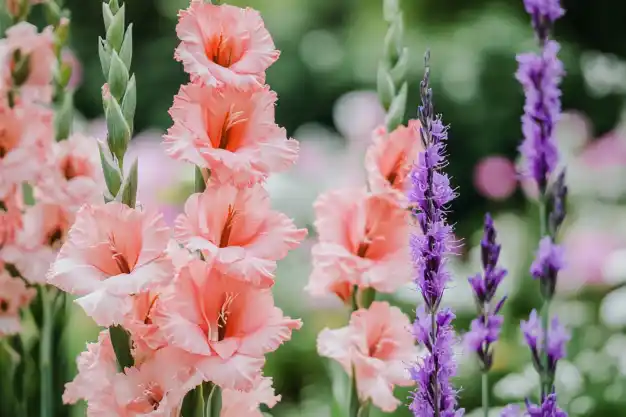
x: 545, y: 308
x: 213, y: 405
x: 354, y: 405
x: 200, y: 409
x: 485, y: 392
x: 45, y: 357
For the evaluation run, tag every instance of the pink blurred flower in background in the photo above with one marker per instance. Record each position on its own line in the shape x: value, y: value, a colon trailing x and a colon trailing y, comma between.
x: 37, y: 243
x: 38, y: 47
x: 378, y: 344
x: 69, y: 57
x: 224, y: 44
x: 13, y: 296
x: 605, y: 152
x: 495, y: 177
x: 356, y: 114
x: 73, y: 175
x: 586, y: 253
x: 26, y: 133
x: 11, y: 215
x: 13, y: 6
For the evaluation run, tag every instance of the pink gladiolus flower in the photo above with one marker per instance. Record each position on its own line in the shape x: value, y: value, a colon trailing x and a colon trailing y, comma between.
x: 390, y: 158
x: 224, y: 45
x: 96, y: 368
x: 10, y: 216
x: 227, y: 323
x: 231, y: 132
x: 238, y: 231
x: 379, y: 345
x: 362, y: 241
x: 239, y: 403
x: 39, y: 48
x: 13, y: 296
x: 26, y: 131
x: 37, y: 243
x: 495, y: 177
x: 112, y: 252
x: 73, y: 176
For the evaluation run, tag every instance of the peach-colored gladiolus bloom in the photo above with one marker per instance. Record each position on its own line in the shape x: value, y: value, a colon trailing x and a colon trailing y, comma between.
x: 239, y: 403
x: 238, y: 231
x: 37, y: 243
x: 13, y: 296
x: 96, y: 368
x: 73, y: 176
x: 39, y: 48
x: 11, y: 216
x: 379, y: 345
x: 224, y: 45
x: 227, y: 323
x: 26, y: 132
x: 362, y: 241
x: 389, y: 159
x: 231, y: 132
x: 112, y: 252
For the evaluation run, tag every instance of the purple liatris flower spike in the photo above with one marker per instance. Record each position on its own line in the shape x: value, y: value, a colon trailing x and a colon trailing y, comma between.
x: 540, y: 76
x: 430, y: 195
x: 558, y: 337
x: 543, y: 14
x: 485, y: 329
x: 550, y: 259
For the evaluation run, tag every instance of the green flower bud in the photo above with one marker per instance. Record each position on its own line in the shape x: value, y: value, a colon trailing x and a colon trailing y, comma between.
x: 107, y: 15
x: 395, y: 115
x: 130, y: 102
x: 384, y: 85
x: 126, y: 52
x: 128, y: 193
x: 115, y: 32
x: 399, y: 71
x: 118, y: 130
x: 52, y: 12
x: 390, y: 9
x: 105, y: 55
x: 112, y: 174
x: 64, y: 116
x: 118, y: 77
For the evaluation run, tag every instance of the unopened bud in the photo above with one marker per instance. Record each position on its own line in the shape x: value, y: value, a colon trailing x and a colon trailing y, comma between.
x: 395, y: 115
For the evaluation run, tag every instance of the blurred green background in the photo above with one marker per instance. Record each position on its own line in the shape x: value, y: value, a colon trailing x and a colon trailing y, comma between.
x: 325, y: 80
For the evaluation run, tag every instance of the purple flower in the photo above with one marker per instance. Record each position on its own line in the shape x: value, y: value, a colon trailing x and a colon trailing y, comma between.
x: 540, y: 76
x: 548, y: 408
x: 558, y: 337
x: 430, y: 195
x: 511, y: 410
x: 549, y: 260
x: 486, y: 328
x: 543, y: 14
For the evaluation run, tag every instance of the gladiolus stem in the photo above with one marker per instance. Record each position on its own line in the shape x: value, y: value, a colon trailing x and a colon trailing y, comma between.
x: 45, y: 356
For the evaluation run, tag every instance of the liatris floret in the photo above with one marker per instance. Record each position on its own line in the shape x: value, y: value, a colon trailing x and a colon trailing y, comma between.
x: 430, y: 195
x: 548, y: 408
x: 485, y: 329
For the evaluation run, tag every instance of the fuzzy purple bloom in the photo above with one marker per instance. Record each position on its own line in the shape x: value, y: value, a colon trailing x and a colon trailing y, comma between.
x: 540, y: 76
x: 558, y: 337
x: 543, y: 14
x: 549, y: 260
x: 430, y: 195
x: 485, y: 330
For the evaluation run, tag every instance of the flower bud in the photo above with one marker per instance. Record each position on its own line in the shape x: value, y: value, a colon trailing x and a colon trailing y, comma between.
x: 130, y: 102
x: 64, y: 116
x: 112, y: 174
x: 105, y: 55
x: 119, y: 131
x: 385, y: 86
x: 395, y: 115
x: 399, y: 71
x: 115, y: 32
x: 118, y: 77
x: 126, y: 52
x: 128, y: 193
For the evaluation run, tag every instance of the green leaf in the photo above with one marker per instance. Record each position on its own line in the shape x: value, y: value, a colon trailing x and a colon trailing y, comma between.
x: 199, y: 181
x: 112, y: 174
x: 128, y: 193
x: 118, y: 77
x: 120, y: 339
x: 126, y: 52
x: 395, y: 115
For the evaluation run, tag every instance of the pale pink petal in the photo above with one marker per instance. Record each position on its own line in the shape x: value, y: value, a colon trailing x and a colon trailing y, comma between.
x: 239, y: 372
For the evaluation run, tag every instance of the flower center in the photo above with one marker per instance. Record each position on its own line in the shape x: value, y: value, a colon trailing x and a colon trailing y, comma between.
x: 119, y: 258
x: 221, y: 51
x: 4, y: 305
x: 222, y: 318
x: 55, y: 237
x: 228, y: 226
x: 73, y: 167
x: 149, y: 400
x: 8, y: 141
x: 394, y: 173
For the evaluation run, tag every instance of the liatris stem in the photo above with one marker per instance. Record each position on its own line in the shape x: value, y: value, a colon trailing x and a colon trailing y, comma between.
x: 485, y: 393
